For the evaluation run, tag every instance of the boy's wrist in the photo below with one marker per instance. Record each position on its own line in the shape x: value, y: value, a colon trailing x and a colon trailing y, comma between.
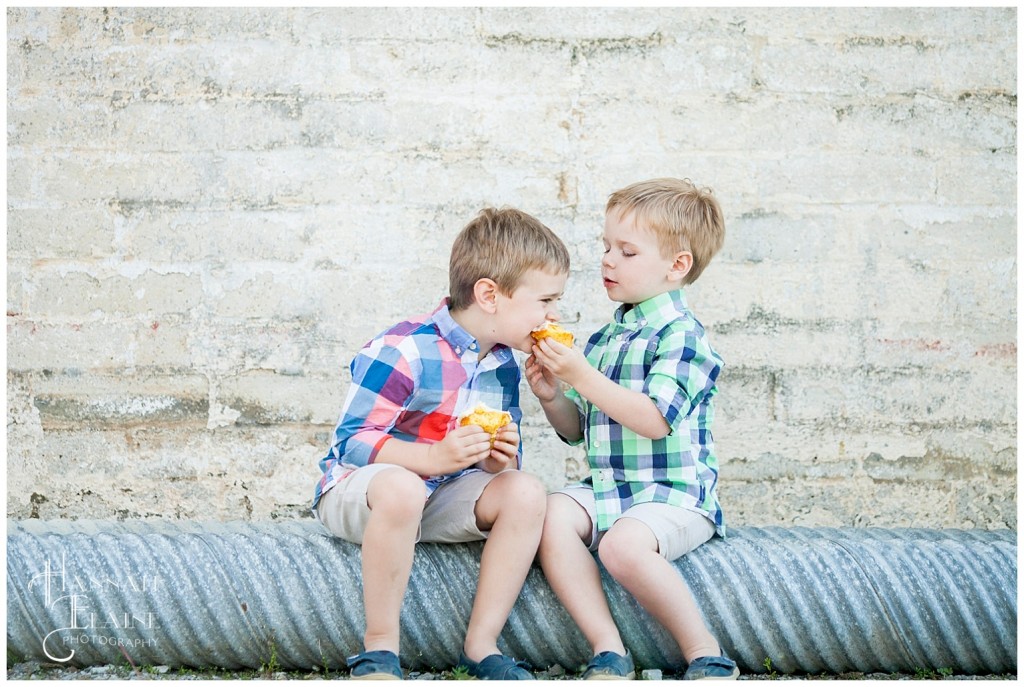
x: 555, y: 401
x: 580, y: 377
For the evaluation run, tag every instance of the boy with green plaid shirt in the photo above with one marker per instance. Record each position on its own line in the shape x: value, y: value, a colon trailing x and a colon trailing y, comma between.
x: 641, y: 396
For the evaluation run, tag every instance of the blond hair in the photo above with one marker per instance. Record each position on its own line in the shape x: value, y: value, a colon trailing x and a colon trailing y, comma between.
x: 681, y: 215
x: 501, y: 244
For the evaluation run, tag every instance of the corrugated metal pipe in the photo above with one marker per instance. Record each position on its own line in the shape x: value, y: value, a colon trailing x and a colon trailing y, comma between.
x: 246, y: 595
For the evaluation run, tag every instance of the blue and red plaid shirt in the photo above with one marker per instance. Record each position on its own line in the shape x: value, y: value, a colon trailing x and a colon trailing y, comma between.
x: 658, y: 348
x: 410, y: 383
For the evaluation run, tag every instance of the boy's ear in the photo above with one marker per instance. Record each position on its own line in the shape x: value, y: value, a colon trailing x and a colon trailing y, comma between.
x: 485, y: 293
x: 681, y: 266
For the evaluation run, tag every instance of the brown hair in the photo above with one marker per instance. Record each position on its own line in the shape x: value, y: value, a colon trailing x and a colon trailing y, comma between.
x: 682, y: 216
x: 501, y: 245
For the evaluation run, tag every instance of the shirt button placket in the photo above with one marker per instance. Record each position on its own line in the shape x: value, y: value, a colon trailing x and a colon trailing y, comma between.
x: 604, y: 480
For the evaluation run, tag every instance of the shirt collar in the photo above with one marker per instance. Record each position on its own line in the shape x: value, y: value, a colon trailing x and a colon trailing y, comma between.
x: 654, y: 311
x: 458, y: 338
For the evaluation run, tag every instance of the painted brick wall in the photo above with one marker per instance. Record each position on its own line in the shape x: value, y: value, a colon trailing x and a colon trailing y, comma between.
x: 209, y: 211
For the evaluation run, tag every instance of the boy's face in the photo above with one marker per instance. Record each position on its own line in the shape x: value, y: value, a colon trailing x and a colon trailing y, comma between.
x: 534, y: 302
x: 633, y: 267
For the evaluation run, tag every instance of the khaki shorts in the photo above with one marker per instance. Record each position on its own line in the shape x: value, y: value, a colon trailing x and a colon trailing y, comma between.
x: 448, y: 517
x: 678, y: 530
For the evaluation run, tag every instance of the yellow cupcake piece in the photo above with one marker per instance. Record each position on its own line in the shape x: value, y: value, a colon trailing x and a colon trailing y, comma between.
x: 550, y: 330
x: 488, y: 418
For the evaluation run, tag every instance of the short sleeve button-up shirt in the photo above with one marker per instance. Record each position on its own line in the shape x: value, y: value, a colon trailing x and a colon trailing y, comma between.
x: 658, y: 348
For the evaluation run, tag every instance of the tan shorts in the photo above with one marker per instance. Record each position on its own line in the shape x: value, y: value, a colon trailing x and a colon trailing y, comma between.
x: 448, y: 517
x: 678, y: 530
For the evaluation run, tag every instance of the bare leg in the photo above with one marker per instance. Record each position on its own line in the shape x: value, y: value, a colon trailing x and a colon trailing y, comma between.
x: 573, y: 574
x: 396, y: 499
x: 629, y: 551
x: 512, y: 508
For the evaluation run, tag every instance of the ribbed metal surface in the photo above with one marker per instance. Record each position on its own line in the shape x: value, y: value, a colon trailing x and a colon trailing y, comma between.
x: 830, y: 600
x: 243, y: 595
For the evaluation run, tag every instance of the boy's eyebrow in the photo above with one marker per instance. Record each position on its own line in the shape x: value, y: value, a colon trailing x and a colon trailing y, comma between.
x: 622, y: 242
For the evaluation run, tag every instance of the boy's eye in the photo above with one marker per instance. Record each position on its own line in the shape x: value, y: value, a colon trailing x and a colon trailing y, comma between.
x: 627, y: 254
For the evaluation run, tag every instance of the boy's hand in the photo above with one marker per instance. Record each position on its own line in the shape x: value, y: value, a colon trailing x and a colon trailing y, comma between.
x: 564, y: 362
x: 543, y: 383
x: 503, y: 454
x: 461, y: 448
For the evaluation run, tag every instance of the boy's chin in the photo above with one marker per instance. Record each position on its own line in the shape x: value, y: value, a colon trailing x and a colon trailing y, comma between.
x: 614, y: 299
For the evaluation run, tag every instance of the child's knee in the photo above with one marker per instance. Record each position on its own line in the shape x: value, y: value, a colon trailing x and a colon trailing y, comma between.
x: 562, y: 507
x: 534, y: 489
x: 620, y: 549
x: 525, y: 490
x: 614, y: 553
x: 564, y: 515
x: 512, y: 496
x: 399, y: 492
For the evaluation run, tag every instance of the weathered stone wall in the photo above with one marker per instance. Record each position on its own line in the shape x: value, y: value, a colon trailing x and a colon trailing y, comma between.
x: 209, y: 211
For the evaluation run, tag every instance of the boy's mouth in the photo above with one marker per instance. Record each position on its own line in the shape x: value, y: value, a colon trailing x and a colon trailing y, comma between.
x: 608, y: 283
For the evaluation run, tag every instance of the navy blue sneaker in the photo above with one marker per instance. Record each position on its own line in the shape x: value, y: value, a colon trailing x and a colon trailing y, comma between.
x: 374, y: 665
x: 496, y: 667
x: 609, y: 665
x: 712, y: 668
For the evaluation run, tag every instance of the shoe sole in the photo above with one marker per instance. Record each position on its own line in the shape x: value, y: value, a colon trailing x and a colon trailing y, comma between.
x: 734, y: 676
x: 631, y: 676
x: 375, y: 676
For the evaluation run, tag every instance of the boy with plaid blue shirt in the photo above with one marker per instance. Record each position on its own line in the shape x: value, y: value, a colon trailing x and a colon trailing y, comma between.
x: 641, y: 397
x: 400, y: 471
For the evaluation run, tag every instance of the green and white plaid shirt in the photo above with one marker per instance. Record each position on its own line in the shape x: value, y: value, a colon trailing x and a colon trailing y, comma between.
x: 660, y: 349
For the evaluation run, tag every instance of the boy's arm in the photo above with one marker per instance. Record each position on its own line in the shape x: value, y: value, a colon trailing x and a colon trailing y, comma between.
x: 560, y: 411
x: 461, y: 448
x: 631, y: 409
x: 683, y: 374
x: 564, y: 417
x: 382, y: 383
